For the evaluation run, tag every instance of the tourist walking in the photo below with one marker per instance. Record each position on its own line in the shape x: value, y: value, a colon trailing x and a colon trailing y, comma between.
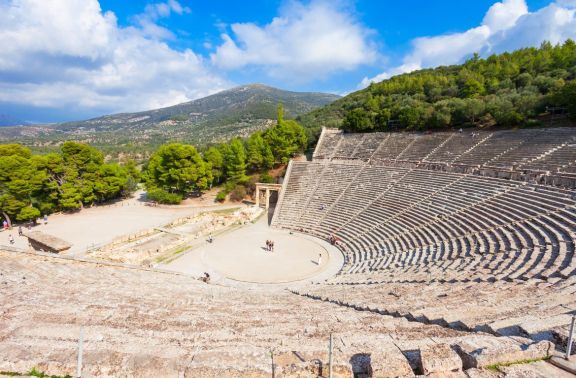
x: 5, y: 225
x: 210, y: 239
x: 319, y: 259
x: 11, y: 239
x: 45, y: 219
x: 20, y: 231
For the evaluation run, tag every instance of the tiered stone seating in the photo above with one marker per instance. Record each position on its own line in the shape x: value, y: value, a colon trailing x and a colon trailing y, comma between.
x: 497, y: 145
x: 562, y: 158
x: 348, y: 145
x: 537, y: 145
x: 423, y: 146
x: 382, y: 211
x: 549, y: 151
x: 410, y: 225
x: 501, y: 308
x: 327, y: 144
x: 142, y: 323
x: 367, y: 146
x: 456, y: 145
x: 393, y: 146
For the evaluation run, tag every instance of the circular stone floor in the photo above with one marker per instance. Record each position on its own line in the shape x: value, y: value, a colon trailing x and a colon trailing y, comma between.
x: 240, y: 255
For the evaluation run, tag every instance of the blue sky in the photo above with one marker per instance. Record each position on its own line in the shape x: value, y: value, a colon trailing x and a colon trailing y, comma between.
x: 76, y: 59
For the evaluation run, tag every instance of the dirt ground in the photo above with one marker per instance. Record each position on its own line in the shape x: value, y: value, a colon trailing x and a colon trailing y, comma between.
x: 99, y: 225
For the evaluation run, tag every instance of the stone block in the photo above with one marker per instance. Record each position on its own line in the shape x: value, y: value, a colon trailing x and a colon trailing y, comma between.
x: 439, y: 358
x: 480, y: 373
x: 389, y: 363
x: 479, y: 351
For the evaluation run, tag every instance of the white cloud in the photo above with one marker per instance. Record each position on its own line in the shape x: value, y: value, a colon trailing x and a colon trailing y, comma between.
x: 503, y: 15
x: 68, y: 53
x: 303, y: 43
x: 506, y: 26
x: 147, y: 21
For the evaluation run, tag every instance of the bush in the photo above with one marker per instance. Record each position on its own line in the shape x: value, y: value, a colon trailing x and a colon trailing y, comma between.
x: 221, y: 196
x: 229, y: 186
x: 162, y: 196
x: 28, y: 213
x: 266, y: 178
x: 238, y: 193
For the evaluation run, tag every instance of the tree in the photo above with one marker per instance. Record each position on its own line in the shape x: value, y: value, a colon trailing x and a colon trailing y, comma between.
x: 527, y: 78
x: 178, y: 168
x: 472, y: 110
x: 235, y: 161
x: 28, y: 213
x: 113, y: 180
x: 472, y: 88
x: 67, y: 180
x: 214, y: 157
x: 286, y: 139
x: 358, y: 119
x: 258, y: 153
x: 15, y: 150
x: 566, y: 97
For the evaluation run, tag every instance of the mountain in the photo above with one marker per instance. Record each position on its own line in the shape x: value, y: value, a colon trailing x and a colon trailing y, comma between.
x: 527, y: 87
x: 234, y: 112
x: 8, y: 120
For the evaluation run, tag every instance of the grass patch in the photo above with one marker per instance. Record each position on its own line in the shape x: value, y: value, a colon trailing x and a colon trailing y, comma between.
x: 223, y: 211
x: 496, y: 367
x: 176, y: 251
x: 32, y: 373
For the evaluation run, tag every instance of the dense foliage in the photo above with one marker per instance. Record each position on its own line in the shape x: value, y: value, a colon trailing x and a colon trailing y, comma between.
x: 177, y: 170
x: 510, y: 89
x: 32, y: 185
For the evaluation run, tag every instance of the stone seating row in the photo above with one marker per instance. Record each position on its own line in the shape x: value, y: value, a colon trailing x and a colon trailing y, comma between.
x: 547, y: 150
x: 540, y: 310
x: 137, y: 323
x: 456, y: 214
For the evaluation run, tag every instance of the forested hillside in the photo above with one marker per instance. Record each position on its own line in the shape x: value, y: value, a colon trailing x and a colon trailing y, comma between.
x: 511, y: 89
x: 237, y: 112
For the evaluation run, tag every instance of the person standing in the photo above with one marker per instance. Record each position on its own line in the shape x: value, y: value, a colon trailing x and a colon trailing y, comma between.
x: 319, y: 259
x: 20, y: 233
x: 11, y: 239
x: 45, y: 219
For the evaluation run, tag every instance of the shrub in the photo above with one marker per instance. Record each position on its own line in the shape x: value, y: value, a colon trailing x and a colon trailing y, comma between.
x: 266, y: 178
x: 238, y: 193
x: 162, y: 196
x: 221, y: 196
x: 28, y: 213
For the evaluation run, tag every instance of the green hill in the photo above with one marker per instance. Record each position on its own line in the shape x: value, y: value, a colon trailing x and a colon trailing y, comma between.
x: 235, y: 112
x: 510, y: 89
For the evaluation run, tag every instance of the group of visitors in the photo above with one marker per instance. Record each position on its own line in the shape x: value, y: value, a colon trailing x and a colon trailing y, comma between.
x: 269, y: 245
x: 333, y: 239
x: 7, y: 226
x: 205, y: 278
